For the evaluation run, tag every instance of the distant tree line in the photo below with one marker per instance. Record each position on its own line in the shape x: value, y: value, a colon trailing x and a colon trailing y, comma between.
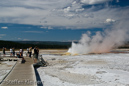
x: 17, y: 45
x: 42, y: 45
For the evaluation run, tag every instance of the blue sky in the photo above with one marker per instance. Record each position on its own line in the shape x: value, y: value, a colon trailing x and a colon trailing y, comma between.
x: 59, y: 20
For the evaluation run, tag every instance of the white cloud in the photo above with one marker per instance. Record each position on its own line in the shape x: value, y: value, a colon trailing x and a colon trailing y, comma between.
x: 4, y: 27
x: 25, y: 40
x: 74, y: 3
x: 67, y: 9
x: 33, y: 31
x: 19, y: 38
x: 110, y: 20
x: 93, y: 1
x: 79, y: 10
x: 47, y: 27
x: 50, y: 27
x: 43, y: 27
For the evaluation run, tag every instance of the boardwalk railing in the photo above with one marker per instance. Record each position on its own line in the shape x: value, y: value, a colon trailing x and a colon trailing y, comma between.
x: 10, y: 57
x: 7, y: 53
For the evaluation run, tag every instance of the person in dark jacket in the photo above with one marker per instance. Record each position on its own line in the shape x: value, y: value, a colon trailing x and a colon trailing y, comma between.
x: 30, y: 51
x: 36, y: 53
x: 13, y: 51
x: 4, y: 51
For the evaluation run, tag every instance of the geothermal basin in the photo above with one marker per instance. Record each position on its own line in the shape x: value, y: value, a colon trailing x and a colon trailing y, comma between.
x: 108, y: 69
x: 105, y: 69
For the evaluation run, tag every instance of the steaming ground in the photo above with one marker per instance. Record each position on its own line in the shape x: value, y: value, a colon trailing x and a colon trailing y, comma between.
x: 86, y: 70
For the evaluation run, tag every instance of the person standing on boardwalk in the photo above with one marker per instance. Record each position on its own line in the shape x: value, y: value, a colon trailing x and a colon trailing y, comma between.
x: 4, y: 51
x: 36, y: 53
x: 27, y: 52
x: 21, y: 51
x: 13, y: 51
x: 30, y: 51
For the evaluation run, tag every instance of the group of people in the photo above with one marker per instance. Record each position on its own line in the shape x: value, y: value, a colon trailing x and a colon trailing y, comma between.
x: 12, y: 51
x: 20, y: 55
x: 34, y: 52
x: 30, y: 50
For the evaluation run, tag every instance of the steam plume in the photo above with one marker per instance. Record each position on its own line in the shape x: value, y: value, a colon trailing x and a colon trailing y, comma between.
x: 102, y: 41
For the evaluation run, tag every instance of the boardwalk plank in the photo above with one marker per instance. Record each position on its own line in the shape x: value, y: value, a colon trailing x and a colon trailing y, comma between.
x: 21, y: 75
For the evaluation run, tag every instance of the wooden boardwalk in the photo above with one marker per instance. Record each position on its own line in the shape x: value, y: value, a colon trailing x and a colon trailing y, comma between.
x: 21, y: 75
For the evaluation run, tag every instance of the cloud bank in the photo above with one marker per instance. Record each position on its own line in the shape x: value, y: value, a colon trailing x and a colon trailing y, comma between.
x: 66, y: 13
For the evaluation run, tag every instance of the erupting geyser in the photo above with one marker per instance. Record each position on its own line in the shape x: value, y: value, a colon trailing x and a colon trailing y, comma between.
x: 101, y: 42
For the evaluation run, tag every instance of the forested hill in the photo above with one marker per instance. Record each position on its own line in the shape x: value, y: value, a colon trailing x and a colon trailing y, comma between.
x: 40, y: 44
x: 44, y: 42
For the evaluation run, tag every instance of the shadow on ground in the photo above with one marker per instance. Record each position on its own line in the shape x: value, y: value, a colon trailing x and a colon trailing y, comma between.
x: 39, y: 81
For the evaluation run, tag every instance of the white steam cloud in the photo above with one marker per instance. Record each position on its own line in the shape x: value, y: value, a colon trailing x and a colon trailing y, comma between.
x: 102, y: 42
